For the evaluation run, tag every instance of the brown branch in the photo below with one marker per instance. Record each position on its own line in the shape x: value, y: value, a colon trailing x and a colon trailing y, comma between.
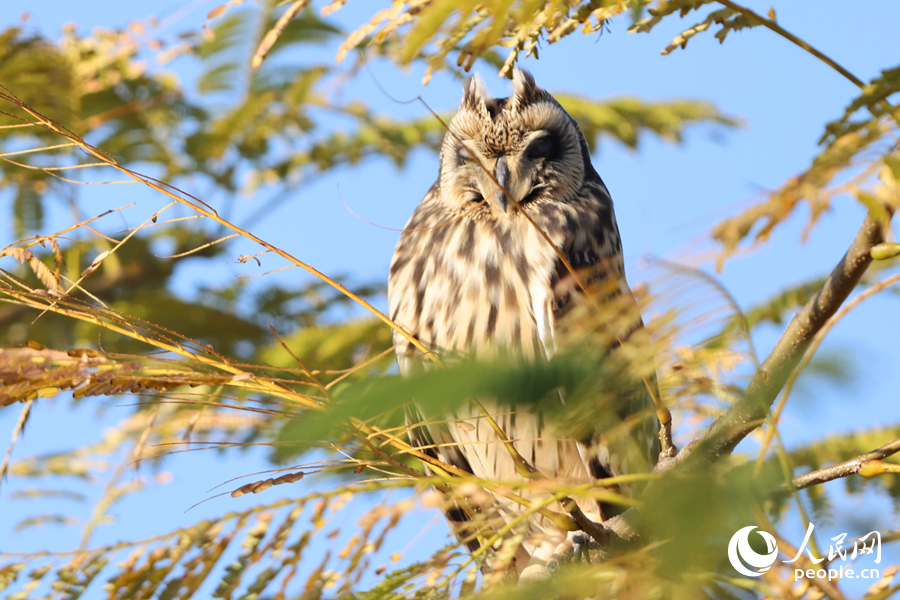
x: 846, y: 468
x: 857, y: 300
x: 751, y: 410
x: 618, y: 531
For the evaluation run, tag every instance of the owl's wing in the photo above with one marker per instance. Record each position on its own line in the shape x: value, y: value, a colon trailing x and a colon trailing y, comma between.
x: 594, y: 252
x: 598, y: 261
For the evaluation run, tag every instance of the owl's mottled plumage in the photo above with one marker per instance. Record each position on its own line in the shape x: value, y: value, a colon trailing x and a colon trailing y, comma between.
x: 490, y: 283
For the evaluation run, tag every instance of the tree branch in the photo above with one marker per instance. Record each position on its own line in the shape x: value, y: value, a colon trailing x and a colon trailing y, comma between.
x: 844, y: 469
x: 857, y: 300
x: 751, y: 410
x: 618, y: 532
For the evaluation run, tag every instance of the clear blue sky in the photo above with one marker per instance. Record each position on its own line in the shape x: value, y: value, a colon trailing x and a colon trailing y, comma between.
x: 666, y: 199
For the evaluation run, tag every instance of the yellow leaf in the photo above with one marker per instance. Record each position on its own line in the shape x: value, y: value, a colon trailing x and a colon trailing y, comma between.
x: 216, y: 12
x: 99, y: 258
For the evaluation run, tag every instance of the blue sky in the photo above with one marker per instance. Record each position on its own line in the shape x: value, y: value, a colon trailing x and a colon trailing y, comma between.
x: 666, y: 199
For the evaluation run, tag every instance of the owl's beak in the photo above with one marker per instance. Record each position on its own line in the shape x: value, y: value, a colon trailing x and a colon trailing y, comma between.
x: 501, y: 173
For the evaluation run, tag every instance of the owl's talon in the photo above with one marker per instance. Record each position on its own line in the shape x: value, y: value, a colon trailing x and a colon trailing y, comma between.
x: 580, y: 549
x: 578, y: 552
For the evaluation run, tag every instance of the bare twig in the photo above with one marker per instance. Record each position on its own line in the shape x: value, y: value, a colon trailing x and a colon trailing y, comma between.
x: 751, y: 410
x: 776, y: 414
x: 846, y: 468
x: 203, y: 247
x: 113, y: 491
x: 17, y: 430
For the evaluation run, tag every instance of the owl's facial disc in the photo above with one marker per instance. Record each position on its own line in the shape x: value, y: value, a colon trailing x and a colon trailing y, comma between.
x: 511, y: 151
x: 517, y: 172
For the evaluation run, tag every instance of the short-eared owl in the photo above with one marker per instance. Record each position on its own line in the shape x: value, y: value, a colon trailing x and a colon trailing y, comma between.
x: 474, y: 277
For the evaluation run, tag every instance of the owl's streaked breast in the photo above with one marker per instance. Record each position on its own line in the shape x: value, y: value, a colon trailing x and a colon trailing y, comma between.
x: 481, y: 286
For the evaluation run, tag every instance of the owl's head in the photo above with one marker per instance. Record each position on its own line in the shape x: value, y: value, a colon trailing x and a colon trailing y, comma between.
x: 526, y: 142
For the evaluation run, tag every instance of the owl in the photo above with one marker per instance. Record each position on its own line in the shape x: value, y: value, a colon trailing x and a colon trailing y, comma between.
x: 478, y: 272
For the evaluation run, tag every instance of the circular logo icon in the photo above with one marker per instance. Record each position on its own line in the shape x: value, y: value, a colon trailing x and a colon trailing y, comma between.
x: 740, y: 552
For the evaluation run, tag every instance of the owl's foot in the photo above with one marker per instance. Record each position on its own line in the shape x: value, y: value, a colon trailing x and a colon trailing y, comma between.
x: 580, y: 543
x: 574, y: 549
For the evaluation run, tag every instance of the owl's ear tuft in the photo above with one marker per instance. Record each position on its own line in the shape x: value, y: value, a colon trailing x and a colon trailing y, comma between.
x: 525, y: 90
x: 474, y: 95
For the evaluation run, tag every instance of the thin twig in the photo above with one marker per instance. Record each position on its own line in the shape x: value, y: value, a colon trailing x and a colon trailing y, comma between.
x: 99, y: 260
x: 203, y: 208
x: 20, y: 426
x: 272, y: 36
x: 41, y: 149
x: 361, y: 365
x: 37, y: 240
x: 203, y: 247
x: 846, y: 468
x: 112, y: 491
